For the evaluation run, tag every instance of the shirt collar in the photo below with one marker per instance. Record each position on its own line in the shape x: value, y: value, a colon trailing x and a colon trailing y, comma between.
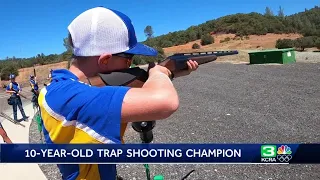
x: 63, y: 74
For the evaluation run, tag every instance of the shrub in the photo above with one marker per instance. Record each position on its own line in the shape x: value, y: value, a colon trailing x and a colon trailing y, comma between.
x: 284, y: 43
x: 227, y: 39
x: 5, y: 71
x: 207, y: 39
x: 195, y: 46
x: 304, y: 42
x: 166, y: 43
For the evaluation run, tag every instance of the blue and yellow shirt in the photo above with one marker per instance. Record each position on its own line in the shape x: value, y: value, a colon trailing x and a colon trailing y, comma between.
x: 74, y: 112
x: 13, y: 86
x: 34, y: 84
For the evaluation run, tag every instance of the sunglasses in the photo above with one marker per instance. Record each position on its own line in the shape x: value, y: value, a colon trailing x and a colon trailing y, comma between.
x: 124, y: 55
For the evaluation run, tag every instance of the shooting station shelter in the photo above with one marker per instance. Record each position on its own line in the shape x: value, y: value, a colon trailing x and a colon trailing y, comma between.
x: 281, y: 56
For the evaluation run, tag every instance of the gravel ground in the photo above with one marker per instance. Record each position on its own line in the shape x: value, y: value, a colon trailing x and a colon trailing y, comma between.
x: 310, y: 57
x: 236, y: 103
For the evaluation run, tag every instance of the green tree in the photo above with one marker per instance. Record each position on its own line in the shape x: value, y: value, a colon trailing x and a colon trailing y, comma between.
x: 304, y: 42
x: 166, y: 43
x: 40, y: 59
x: 207, y: 39
x: 148, y: 31
x: 268, y: 12
x: 280, y: 12
x: 2, y: 69
x: 192, y: 35
x: 67, y: 55
x: 297, y: 23
x: 9, y: 68
x: 66, y: 43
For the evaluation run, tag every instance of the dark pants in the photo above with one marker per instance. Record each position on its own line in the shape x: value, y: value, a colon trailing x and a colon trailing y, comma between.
x: 17, y: 102
x: 35, y: 98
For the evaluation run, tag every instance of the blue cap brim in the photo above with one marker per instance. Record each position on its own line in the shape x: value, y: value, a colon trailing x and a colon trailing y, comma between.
x: 141, y: 49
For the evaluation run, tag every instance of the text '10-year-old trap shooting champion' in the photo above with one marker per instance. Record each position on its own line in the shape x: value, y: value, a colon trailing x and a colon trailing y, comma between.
x: 93, y: 101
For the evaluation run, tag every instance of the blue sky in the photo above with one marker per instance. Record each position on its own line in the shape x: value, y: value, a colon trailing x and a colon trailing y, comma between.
x: 29, y: 27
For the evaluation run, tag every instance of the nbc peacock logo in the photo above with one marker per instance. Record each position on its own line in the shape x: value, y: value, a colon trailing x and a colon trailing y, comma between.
x: 284, y: 153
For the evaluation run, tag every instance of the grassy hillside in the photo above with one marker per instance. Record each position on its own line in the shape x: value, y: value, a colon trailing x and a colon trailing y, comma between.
x: 232, y: 42
x: 306, y: 23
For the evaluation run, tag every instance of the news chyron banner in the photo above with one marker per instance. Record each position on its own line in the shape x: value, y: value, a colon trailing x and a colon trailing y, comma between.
x: 160, y: 153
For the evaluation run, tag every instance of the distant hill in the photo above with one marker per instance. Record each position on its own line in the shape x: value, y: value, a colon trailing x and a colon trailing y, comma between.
x: 306, y: 23
x: 233, y: 42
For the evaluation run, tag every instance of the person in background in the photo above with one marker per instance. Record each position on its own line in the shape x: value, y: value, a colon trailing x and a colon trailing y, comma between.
x: 34, y: 85
x: 34, y: 89
x: 14, y: 89
x: 49, y: 78
x: 4, y: 135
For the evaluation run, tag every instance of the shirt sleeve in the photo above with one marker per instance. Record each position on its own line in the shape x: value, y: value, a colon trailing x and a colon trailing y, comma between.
x: 8, y: 87
x: 32, y: 84
x: 101, y: 110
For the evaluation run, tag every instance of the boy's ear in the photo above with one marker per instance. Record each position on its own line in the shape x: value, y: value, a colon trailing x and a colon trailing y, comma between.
x: 129, y: 62
x: 104, y: 58
x: 104, y: 62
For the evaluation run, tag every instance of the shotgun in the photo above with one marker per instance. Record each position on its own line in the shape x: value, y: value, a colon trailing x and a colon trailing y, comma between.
x: 34, y: 71
x: 21, y: 95
x: 24, y: 96
x: 136, y: 77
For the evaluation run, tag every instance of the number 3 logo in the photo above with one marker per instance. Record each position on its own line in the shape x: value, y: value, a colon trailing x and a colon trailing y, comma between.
x: 268, y: 151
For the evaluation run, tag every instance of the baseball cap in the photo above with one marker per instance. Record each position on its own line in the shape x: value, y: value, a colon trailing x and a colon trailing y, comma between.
x: 12, y: 76
x: 101, y: 30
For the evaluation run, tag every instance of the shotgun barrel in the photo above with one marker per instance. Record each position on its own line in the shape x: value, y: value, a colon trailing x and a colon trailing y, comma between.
x: 199, y: 54
x: 201, y: 58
